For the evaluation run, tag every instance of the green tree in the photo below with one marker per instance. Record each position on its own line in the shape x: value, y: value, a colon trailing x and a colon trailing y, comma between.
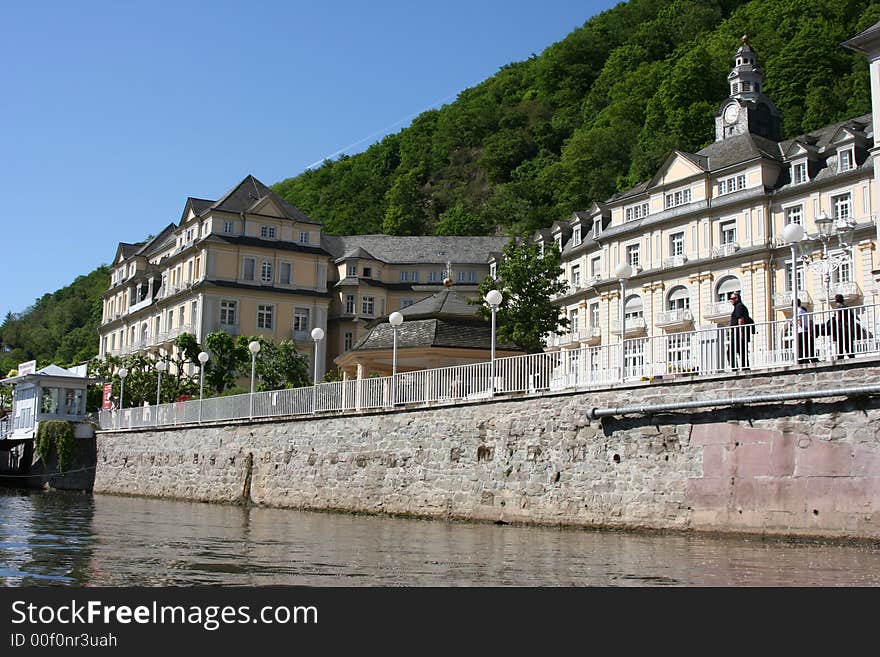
x: 527, y: 281
x: 227, y: 358
x: 277, y: 365
x: 457, y: 220
x: 406, y: 207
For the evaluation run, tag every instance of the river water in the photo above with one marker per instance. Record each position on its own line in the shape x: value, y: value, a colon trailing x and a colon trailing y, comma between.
x: 55, y: 538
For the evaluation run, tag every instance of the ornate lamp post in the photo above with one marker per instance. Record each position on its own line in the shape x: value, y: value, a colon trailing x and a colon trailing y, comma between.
x: 254, y: 348
x: 122, y: 374
x: 494, y: 299
x: 623, y: 271
x: 395, y: 319
x: 317, y: 336
x: 161, y: 366
x: 203, y: 358
x: 828, y: 228
x: 793, y: 234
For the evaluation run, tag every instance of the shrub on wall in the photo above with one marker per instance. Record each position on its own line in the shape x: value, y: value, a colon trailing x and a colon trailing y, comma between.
x: 59, y: 433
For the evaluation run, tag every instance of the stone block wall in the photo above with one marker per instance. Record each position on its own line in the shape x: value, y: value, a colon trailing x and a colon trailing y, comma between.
x: 799, y: 468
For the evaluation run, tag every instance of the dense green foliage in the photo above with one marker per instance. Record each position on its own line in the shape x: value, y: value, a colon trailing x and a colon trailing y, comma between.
x: 594, y: 114
x: 527, y: 281
x: 58, y: 435
x: 60, y: 328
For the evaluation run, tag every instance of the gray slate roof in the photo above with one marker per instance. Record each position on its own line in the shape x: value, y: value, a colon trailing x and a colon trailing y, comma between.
x: 248, y: 193
x: 446, y: 304
x: 425, y: 333
x: 395, y: 249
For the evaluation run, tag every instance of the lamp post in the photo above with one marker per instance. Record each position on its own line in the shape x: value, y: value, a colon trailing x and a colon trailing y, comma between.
x: 317, y: 336
x: 494, y: 299
x: 203, y: 358
x: 793, y: 234
x: 122, y: 374
x: 395, y: 319
x: 828, y: 227
x: 623, y: 271
x: 254, y: 348
x: 160, y: 367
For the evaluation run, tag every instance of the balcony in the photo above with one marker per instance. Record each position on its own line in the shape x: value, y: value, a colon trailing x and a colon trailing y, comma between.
x: 635, y: 327
x: 674, y: 261
x: 852, y: 293
x: 592, y: 335
x: 718, y: 311
x: 782, y: 301
x: 725, y: 250
x: 675, y: 320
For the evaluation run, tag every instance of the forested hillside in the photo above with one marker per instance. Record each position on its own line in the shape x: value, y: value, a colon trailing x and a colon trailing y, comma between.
x: 595, y: 113
x: 60, y: 328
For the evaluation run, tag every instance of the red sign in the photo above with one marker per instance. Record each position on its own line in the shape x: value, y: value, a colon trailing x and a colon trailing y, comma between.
x: 108, y: 392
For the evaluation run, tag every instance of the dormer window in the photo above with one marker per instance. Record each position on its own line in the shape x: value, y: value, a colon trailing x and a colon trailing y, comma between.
x: 732, y: 184
x: 493, y: 269
x: 635, y: 212
x: 541, y: 247
x: 845, y: 160
x: 576, y: 235
x: 228, y: 226
x: 799, y: 173
x: 559, y: 242
x: 597, y: 228
x: 680, y: 197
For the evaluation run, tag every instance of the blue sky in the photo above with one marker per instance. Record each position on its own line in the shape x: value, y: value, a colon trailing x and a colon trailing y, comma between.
x: 113, y: 113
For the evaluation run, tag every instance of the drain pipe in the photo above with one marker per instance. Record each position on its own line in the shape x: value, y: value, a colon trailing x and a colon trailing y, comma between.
x: 735, y: 401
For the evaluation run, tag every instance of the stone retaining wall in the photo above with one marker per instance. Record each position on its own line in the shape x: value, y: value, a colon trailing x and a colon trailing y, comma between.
x: 805, y: 468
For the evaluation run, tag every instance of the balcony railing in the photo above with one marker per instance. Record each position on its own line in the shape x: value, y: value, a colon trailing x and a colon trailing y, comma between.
x: 849, y: 289
x: 677, y: 318
x: 783, y: 300
x: 634, y: 326
x: 849, y: 332
x: 674, y: 261
x: 717, y: 311
x: 725, y: 250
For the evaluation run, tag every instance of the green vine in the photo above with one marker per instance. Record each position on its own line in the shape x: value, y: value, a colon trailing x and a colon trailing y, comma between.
x: 59, y: 433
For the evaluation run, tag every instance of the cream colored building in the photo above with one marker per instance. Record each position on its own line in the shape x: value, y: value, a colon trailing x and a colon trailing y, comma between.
x: 710, y: 223
x: 253, y: 264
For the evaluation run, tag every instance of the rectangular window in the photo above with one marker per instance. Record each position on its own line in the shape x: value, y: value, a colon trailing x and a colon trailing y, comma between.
x: 559, y: 243
x: 351, y: 270
x: 636, y: 212
x: 434, y: 277
x: 189, y: 271
x: 266, y: 272
x: 368, y: 272
x: 800, y: 277
x: 267, y: 231
x: 573, y: 321
x: 799, y: 173
x: 193, y: 311
x: 349, y: 304
x: 676, y: 244
x: 632, y: 255
x: 597, y: 228
x: 228, y: 226
x: 728, y: 232
x: 794, y: 215
x: 169, y: 320
x: 405, y: 302
x: 248, y: 269
x: 472, y: 277
x: 843, y: 274
x: 198, y: 268
x: 368, y: 306
x: 404, y: 276
x: 182, y: 319
x: 304, y: 237
x: 576, y: 235
x: 264, y: 316
x: 227, y: 312
x: 594, y: 315
x: 595, y: 267
x: 300, y: 320
x: 493, y: 270
x: 842, y: 206
x: 348, y: 341
x: 846, y: 160
x: 681, y: 197
x: 285, y: 273
x: 575, y: 276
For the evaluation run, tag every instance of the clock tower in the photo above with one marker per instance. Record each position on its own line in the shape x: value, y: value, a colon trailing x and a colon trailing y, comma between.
x: 747, y: 109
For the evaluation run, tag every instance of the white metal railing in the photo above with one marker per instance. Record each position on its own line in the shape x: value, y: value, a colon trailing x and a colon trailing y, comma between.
x: 632, y: 325
x: 725, y: 250
x: 784, y: 300
x: 849, y: 289
x: 674, y: 261
x: 717, y: 309
x: 827, y: 335
x: 674, y: 317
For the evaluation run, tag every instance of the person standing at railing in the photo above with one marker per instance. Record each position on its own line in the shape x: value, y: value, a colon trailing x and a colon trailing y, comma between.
x: 739, y: 334
x: 842, y: 328
x: 806, y: 342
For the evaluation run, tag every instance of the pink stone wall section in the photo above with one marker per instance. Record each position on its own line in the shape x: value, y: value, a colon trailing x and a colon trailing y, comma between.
x: 781, y: 482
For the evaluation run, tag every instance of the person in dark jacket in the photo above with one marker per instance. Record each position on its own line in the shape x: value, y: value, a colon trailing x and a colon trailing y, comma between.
x: 739, y: 335
x: 842, y: 328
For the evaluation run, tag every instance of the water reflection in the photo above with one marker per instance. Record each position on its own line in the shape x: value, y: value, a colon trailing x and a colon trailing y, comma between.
x: 58, y: 538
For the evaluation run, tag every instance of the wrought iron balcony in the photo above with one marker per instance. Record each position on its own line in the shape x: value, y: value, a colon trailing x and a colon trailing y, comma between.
x: 675, y: 319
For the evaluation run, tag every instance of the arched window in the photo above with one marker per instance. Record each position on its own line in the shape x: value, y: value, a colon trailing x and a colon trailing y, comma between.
x: 679, y: 298
x: 725, y: 287
x: 633, y: 307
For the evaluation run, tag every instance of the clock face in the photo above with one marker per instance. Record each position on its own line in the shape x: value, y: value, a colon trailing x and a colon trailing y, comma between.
x: 731, y: 113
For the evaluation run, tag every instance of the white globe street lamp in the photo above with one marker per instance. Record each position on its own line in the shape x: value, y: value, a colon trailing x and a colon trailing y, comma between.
x: 203, y: 358
x: 161, y: 366
x: 623, y: 271
x: 793, y: 234
x: 254, y: 348
x: 317, y: 336
x: 122, y: 374
x: 395, y: 319
x: 494, y: 299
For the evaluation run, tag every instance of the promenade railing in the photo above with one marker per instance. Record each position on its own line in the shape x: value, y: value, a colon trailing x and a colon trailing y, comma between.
x: 823, y: 336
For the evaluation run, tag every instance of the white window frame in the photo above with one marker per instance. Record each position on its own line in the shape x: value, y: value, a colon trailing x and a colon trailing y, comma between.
x: 576, y: 235
x: 677, y: 197
x: 575, y: 276
x: 846, y: 159
x: 267, y: 232
x: 350, y: 304
x: 676, y: 244
x: 725, y: 228
x: 800, y: 172
x: 841, y: 202
x: 633, y: 254
x: 267, y: 272
x: 302, y: 318
x: 792, y: 212
x: 266, y: 316
x: 303, y: 237
x: 368, y: 306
